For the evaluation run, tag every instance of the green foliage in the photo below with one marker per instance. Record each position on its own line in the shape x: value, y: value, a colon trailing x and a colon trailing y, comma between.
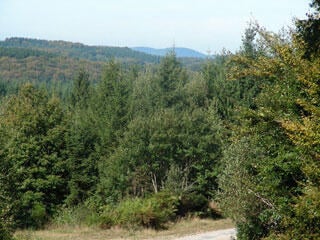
x: 81, y: 90
x: 110, y: 106
x: 20, y: 53
x: 228, y: 96
x: 137, y: 147
x: 81, y: 140
x: 82, y: 160
x: 235, y: 180
x: 78, y: 50
x: 169, y: 142
x: 5, y: 219
x: 5, y: 234
x: 308, y: 30
x: 154, y: 211
x: 33, y: 156
x: 49, y: 70
x: 171, y: 78
x: 270, y: 182
x: 144, y: 95
x: 306, y: 219
x: 80, y: 215
x: 145, y: 145
x: 172, y: 140
x: 194, y: 203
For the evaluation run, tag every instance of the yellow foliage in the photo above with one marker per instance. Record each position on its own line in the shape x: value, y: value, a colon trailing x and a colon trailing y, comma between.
x: 290, y: 98
x: 283, y: 61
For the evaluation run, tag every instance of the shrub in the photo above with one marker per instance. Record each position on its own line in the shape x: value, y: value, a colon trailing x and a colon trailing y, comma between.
x: 38, y: 215
x: 6, y: 223
x: 159, y: 209
x: 153, y: 211
x: 193, y: 203
x: 5, y: 232
x: 76, y: 216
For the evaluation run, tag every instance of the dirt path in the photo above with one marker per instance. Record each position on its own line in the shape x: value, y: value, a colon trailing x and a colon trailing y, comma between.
x: 226, y: 234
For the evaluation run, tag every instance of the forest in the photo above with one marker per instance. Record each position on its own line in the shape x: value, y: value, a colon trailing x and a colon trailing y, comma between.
x: 140, y: 145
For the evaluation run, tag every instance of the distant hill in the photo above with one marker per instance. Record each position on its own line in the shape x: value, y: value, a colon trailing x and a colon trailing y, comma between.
x: 23, y: 59
x: 180, y: 52
x: 81, y: 51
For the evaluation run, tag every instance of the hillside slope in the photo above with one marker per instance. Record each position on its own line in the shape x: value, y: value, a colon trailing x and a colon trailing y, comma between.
x: 23, y: 59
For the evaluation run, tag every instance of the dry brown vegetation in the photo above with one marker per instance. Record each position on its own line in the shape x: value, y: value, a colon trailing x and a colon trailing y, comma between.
x: 181, y: 228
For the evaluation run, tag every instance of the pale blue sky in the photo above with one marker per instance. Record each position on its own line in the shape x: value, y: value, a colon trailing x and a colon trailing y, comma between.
x: 199, y: 24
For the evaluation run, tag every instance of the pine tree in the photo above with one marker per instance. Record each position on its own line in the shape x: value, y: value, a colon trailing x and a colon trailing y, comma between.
x: 81, y: 139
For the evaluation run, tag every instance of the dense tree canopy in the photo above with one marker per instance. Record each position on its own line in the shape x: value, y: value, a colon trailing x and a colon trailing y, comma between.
x: 143, y: 145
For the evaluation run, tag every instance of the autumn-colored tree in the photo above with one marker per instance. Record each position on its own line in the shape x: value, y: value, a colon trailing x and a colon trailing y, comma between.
x: 284, y: 180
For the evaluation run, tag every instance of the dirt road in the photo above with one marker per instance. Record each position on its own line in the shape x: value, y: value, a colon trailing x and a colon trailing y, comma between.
x: 226, y: 234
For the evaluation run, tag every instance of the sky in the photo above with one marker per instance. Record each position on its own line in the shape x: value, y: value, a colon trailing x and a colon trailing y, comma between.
x: 203, y: 25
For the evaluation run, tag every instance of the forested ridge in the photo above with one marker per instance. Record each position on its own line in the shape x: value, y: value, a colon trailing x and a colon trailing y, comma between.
x: 24, y: 59
x: 142, y: 146
x: 42, y: 61
x: 79, y: 50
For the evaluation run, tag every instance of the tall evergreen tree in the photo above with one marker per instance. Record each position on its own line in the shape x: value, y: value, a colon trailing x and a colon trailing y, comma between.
x: 171, y: 78
x: 81, y: 140
x: 110, y: 105
x: 33, y: 156
x: 81, y: 89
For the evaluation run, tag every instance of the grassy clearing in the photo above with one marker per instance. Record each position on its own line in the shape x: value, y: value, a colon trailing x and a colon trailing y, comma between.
x: 181, y: 228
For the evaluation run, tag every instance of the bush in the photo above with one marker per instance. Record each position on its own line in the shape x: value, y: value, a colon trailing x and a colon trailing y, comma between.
x: 76, y: 216
x: 197, y: 204
x: 38, y: 215
x: 159, y: 209
x: 6, y: 224
x: 153, y: 211
x: 5, y: 233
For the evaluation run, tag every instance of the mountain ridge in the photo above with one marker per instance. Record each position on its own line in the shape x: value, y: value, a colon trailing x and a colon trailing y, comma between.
x: 181, y: 52
x: 80, y: 50
x: 99, y: 53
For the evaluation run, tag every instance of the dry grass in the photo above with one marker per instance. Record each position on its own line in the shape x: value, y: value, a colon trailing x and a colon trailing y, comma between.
x: 181, y: 228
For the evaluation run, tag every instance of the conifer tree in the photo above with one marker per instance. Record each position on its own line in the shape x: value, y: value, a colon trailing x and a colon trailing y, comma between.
x: 33, y: 156
x: 81, y: 140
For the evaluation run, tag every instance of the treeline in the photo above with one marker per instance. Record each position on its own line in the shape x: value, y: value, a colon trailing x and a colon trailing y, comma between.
x: 141, y: 147
x: 45, y: 68
x: 21, y: 53
x: 80, y: 51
